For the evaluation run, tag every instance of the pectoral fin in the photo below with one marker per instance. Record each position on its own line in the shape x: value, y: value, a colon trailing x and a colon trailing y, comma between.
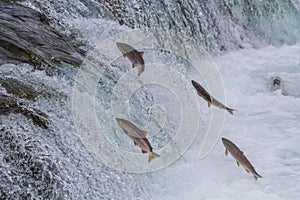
x: 133, y: 65
x: 256, y: 175
x: 226, y: 152
x: 144, y: 151
x: 230, y: 110
x: 134, y: 143
x: 144, y: 133
x: 142, y: 53
x: 141, y: 69
x: 247, y: 170
x: 209, y: 104
x: 152, y: 155
x: 237, y: 162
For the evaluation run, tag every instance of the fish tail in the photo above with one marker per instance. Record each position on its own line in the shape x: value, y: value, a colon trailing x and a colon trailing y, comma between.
x: 256, y: 175
x: 141, y: 69
x: 230, y: 110
x: 152, y: 155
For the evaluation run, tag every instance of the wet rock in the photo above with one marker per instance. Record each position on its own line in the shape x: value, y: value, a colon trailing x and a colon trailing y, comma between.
x: 28, y: 90
x: 287, y: 85
x: 11, y: 105
x: 18, y: 88
x: 26, y: 36
x: 275, y: 83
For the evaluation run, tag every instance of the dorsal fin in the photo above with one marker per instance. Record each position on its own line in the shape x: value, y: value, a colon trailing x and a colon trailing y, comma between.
x: 142, y: 53
x: 144, y: 133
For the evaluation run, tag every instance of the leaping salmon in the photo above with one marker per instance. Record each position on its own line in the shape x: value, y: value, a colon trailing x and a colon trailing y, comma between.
x: 135, y: 57
x: 210, y: 99
x: 138, y: 136
x: 239, y: 157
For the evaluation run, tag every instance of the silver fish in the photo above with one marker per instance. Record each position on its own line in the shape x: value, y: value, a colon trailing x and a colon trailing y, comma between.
x: 135, y: 57
x: 138, y: 136
x: 239, y: 157
x: 210, y: 99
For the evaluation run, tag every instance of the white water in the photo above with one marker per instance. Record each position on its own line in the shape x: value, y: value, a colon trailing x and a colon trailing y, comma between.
x: 266, y: 127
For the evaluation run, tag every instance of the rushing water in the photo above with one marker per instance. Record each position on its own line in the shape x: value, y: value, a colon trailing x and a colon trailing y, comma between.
x: 218, y: 26
x: 54, y: 163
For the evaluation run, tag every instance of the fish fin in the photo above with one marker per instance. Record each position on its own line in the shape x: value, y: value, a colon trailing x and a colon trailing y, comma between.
x: 144, y: 133
x: 152, y: 155
x: 142, y: 53
x: 237, y: 162
x: 134, y: 143
x: 141, y: 69
x: 247, y: 170
x: 209, y: 104
x: 144, y: 151
x: 230, y: 110
x: 256, y: 175
x: 133, y: 65
x: 226, y: 152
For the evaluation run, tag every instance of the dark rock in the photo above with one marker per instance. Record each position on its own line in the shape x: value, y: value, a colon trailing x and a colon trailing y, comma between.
x: 11, y: 105
x: 23, y: 89
x: 275, y: 83
x: 18, y: 88
x: 26, y: 36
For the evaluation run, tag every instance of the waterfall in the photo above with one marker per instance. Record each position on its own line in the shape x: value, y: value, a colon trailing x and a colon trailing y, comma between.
x: 55, y: 80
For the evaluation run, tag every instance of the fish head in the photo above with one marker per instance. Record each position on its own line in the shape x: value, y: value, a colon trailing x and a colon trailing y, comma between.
x: 195, y: 84
x: 124, y: 48
x: 225, y: 142
x: 120, y: 122
x: 121, y: 45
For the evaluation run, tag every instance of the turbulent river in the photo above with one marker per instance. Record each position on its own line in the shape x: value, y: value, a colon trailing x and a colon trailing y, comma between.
x: 63, y: 82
